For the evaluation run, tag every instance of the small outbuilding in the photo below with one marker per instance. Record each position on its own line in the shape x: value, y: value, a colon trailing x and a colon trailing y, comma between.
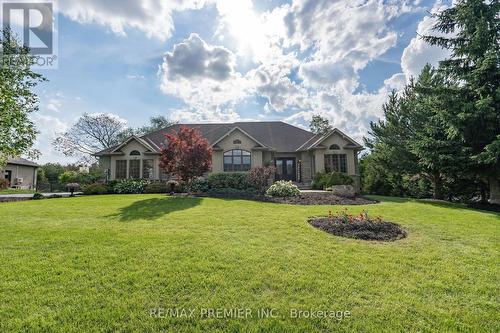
x: 20, y: 173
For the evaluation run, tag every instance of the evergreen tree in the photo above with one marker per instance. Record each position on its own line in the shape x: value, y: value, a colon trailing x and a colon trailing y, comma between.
x: 472, y: 35
x: 411, y: 141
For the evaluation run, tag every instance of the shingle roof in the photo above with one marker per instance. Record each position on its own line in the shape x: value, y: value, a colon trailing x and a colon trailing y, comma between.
x: 275, y: 135
x: 21, y: 161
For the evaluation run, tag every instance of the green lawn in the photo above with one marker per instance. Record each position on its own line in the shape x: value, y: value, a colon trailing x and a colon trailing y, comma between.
x: 102, y: 263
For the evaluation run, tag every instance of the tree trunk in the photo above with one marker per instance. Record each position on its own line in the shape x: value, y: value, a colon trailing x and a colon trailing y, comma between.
x: 484, y: 197
x: 494, y: 190
x: 436, y: 183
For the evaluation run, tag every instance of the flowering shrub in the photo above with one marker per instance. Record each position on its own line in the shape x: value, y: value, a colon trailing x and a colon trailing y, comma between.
x: 345, y: 218
x: 130, y: 186
x: 358, y: 226
x: 283, y: 189
x: 258, y: 177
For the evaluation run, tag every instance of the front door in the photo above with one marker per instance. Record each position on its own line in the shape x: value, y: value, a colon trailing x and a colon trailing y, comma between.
x: 286, y: 169
x: 8, y: 176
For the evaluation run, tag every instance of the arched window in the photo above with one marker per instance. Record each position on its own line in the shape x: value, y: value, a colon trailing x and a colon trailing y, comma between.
x: 237, y: 160
x: 334, y: 147
x: 237, y: 142
x: 135, y: 153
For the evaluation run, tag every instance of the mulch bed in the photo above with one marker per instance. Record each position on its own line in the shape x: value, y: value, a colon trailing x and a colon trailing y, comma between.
x: 377, y: 231
x: 312, y: 198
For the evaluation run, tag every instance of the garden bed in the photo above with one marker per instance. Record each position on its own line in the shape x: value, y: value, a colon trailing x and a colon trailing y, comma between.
x: 365, y: 230
x: 309, y: 198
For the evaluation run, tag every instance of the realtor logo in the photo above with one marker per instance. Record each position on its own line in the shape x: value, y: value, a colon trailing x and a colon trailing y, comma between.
x: 33, y: 23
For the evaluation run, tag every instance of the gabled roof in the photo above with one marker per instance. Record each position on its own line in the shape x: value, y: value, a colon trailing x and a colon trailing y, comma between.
x: 21, y: 161
x: 142, y: 141
x: 272, y: 135
x: 318, y: 139
x: 237, y: 128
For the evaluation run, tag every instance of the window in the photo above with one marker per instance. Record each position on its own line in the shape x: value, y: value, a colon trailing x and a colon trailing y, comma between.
x: 237, y: 160
x: 121, y: 169
x: 336, y: 162
x: 135, y: 168
x: 334, y: 147
x: 147, y: 169
x: 237, y: 142
x: 164, y: 175
x: 135, y: 153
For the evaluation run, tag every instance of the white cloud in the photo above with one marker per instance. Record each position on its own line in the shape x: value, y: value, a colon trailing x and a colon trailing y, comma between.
x: 397, y: 82
x: 153, y: 17
x: 305, y: 56
x: 193, y: 58
x: 341, y: 32
x: 49, y: 126
x: 418, y: 52
x: 203, y: 76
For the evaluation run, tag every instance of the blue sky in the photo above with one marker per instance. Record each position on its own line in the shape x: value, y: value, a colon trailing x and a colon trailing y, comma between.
x: 219, y: 61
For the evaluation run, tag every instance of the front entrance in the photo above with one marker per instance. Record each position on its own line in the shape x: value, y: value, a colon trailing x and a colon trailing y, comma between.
x: 8, y: 176
x: 286, y: 168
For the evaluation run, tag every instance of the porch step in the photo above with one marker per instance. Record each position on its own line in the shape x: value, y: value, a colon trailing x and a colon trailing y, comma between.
x: 303, y: 186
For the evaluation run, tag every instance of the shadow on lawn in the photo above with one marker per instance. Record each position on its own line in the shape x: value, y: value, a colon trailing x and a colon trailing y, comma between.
x: 431, y: 202
x: 154, y: 208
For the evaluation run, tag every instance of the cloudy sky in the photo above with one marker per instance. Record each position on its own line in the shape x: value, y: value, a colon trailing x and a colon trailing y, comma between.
x: 228, y: 60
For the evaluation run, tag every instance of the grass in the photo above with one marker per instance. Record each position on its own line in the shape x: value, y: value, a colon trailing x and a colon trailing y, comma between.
x: 102, y: 263
x: 16, y: 191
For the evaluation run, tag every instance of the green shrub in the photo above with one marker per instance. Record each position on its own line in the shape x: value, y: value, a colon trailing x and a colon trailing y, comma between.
x: 4, y: 183
x: 283, y: 189
x: 94, y: 189
x: 157, y: 188
x: 338, y: 178
x: 130, y: 186
x: 319, y: 181
x: 236, y: 180
x: 181, y: 187
x: 199, y: 184
x: 324, y: 180
x: 69, y: 177
x: 38, y: 196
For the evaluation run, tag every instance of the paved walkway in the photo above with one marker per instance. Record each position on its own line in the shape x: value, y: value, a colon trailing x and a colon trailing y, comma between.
x: 315, y: 191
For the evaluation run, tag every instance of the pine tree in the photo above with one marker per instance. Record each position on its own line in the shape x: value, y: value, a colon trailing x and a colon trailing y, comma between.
x: 472, y: 34
x: 411, y: 141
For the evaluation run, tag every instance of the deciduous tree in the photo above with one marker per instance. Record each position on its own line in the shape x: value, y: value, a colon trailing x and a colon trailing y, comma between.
x: 90, y: 134
x: 17, y: 99
x: 187, y: 154
x: 320, y: 125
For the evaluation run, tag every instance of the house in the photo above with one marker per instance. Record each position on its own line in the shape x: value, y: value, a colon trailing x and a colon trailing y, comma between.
x: 297, y: 154
x: 20, y: 173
